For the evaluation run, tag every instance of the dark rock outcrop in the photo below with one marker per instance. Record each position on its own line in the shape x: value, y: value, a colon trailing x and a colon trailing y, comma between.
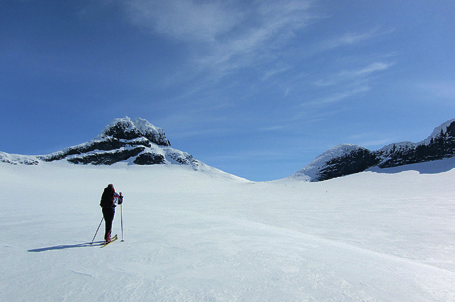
x: 357, y: 160
x: 125, y: 129
x: 349, y: 159
x: 123, y: 140
x: 441, y: 144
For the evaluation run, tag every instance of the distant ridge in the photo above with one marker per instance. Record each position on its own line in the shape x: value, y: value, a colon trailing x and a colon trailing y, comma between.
x: 139, y: 142
x: 123, y: 140
x: 349, y: 159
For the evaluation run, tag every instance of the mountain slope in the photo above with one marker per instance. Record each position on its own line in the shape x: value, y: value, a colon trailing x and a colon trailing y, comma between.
x: 123, y: 140
x: 349, y: 159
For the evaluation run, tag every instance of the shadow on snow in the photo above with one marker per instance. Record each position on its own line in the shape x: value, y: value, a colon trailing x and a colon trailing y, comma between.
x: 63, y: 247
x: 430, y: 167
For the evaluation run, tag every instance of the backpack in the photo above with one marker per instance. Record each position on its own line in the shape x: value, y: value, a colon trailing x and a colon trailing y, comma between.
x: 107, y: 198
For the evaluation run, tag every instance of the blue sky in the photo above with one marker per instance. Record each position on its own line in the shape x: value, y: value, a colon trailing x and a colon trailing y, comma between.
x: 254, y: 88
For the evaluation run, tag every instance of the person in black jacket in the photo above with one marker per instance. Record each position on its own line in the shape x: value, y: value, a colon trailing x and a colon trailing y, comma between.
x: 108, y: 204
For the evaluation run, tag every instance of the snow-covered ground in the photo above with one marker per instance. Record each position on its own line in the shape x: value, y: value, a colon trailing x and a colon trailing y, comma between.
x: 380, y: 235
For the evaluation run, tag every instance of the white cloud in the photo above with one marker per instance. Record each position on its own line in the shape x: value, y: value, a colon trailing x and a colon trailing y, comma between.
x: 359, y: 75
x: 349, y: 39
x: 270, y: 25
x: 184, y: 19
x: 336, y: 97
x: 274, y: 128
x: 274, y: 71
x: 346, y: 39
x: 367, y: 70
x: 353, y: 38
x: 223, y: 35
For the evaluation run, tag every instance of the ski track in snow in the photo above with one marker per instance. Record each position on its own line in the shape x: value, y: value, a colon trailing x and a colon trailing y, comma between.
x: 195, y: 236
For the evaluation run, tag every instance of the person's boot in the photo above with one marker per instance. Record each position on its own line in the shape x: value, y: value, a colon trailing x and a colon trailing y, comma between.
x: 108, y: 237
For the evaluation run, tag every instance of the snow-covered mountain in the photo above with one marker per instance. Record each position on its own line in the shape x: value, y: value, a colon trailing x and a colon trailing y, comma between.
x: 340, y: 160
x: 123, y: 140
x: 349, y: 159
x: 139, y: 142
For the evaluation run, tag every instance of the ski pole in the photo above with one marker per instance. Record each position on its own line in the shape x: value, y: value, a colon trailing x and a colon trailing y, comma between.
x: 97, y: 230
x: 121, y: 219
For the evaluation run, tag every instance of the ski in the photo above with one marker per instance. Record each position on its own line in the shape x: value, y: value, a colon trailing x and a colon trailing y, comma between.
x: 112, y: 240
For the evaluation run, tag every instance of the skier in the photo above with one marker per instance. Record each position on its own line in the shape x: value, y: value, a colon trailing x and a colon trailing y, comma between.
x: 108, y: 204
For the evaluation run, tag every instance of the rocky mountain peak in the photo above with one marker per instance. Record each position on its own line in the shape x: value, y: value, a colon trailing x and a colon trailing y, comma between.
x: 340, y: 160
x: 136, y: 143
x: 126, y: 129
x: 349, y: 159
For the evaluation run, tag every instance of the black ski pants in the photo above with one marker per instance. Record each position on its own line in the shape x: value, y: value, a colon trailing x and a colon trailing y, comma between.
x: 108, y: 214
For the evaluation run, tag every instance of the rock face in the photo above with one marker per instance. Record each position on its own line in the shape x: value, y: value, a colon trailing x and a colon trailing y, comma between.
x: 440, y: 144
x: 339, y: 161
x: 123, y: 140
x: 349, y: 159
x: 141, y: 143
x: 125, y: 129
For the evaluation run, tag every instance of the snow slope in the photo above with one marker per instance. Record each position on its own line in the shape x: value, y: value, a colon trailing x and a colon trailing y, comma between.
x: 385, y: 235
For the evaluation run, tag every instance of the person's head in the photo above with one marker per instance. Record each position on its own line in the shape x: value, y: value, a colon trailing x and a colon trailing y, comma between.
x: 110, y: 186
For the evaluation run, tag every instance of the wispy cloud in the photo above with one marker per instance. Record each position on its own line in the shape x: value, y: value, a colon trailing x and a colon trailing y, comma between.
x: 335, y: 97
x: 226, y: 35
x: 184, y: 20
x: 269, y: 26
x: 352, y: 74
x: 349, y: 38
x: 274, y: 71
x: 346, y: 84
x: 223, y: 37
x: 274, y: 128
x: 367, y: 70
x: 355, y: 74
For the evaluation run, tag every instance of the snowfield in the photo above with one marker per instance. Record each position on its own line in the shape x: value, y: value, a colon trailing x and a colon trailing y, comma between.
x: 380, y: 235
